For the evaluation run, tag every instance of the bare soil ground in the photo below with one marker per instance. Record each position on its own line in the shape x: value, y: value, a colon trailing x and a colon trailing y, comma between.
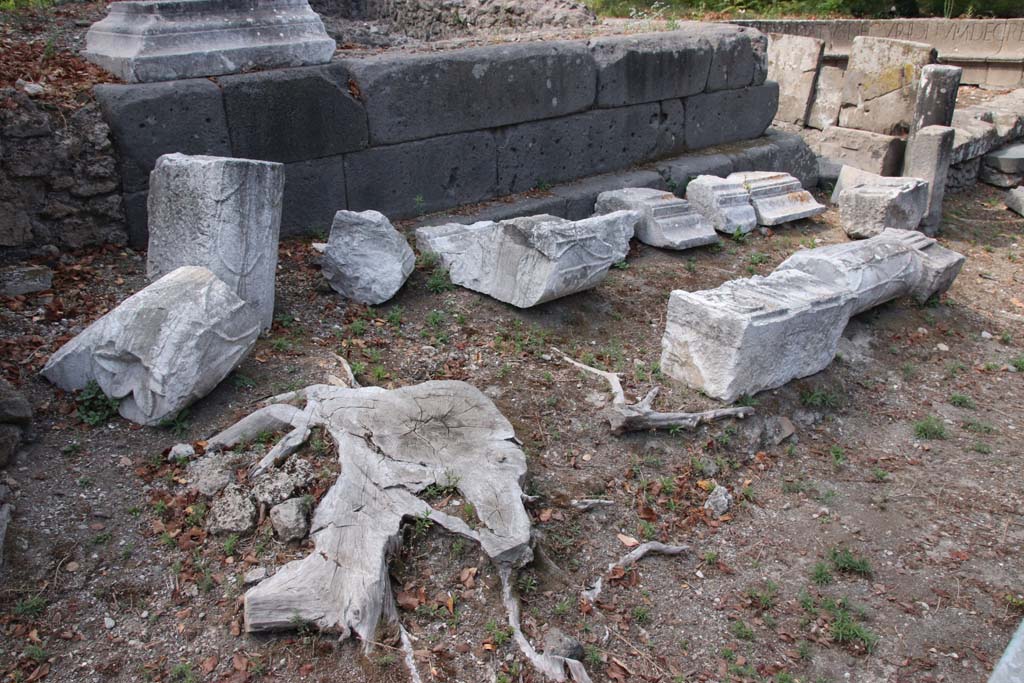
x: 861, y: 550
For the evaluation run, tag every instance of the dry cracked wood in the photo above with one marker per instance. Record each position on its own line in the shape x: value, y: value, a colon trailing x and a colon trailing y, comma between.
x: 392, y: 445
x: 633, y: 417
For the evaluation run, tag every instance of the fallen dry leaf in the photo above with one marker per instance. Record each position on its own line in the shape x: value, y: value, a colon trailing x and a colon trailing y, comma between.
x: 627, y: 541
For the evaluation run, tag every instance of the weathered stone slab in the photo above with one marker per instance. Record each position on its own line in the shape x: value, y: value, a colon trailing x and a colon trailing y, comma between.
x: 650, y: 67
x: 892, y: 264
x: 527, y: 261
x: 366, y: 259
x: 222, y: 214
x: 414, y: 96
x: 148, y: 121
x: 162, y: 348
x: 851, y: 176
x: 828, y: 98
x: 1015, y: 200
x: 880, y: 84
x: 26, y: 279
x: 928, y: 156
x: 974, y: 138
x: 151, y: 40
x: 881, y: 154
x: 679, y: 172
x: 753, y: 334
x: 580, y: 195
x: 666, y: 220
x: 418, y: 177
x: 539, y: 153
x: 866, y: 210
x: 724, y: 202
x: 759, y: 333
x: 777, y: 197
x: 997, y: 178
x: 793, y: 63
x: 936, y: 96
x: 726, y: 116
x: 1009, y: 159
x: 293, y: 114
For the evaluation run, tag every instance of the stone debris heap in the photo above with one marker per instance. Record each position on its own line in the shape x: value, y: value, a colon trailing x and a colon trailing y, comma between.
x: 222, y: 214
x: 366, y: 259
x: 759, y: 333
x: 162, y: 348
x: 777, y: 197
x: 726, y: 203
x: 527, y: 261
x: 667, y: 221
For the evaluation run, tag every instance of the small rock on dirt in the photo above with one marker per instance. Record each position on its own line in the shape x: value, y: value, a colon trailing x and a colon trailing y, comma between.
x: 232, y: 513
x: 180, y: 451
x: 209, y: 475
x: 277, y: 486
x: 290, y: 520
x: 255, y: 575
x: 719, y: 502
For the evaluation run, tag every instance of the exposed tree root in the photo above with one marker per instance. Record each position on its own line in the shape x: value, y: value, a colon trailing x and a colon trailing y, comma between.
x: 633, y: 417
x: 591, y: 594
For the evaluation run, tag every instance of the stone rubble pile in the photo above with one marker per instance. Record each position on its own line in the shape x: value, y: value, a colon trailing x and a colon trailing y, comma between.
x: 868, y: 208
x: 759, y: 333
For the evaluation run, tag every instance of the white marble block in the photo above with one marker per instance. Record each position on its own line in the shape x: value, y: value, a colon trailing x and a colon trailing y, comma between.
x: 222, y: 214
x: 527, y: 261
x: 366, y: 259
x: 162, y: 348
x: 777, y: 197
x: 723, y: 202
x: 668, y: 221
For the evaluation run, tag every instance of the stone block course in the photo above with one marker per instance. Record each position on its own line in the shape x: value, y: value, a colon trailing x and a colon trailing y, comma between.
x: 293, y: 114
x: 730, y: 115
x: 423, y: 176
x: 634, y: 69
x: 410, y: 97
x: 544, y: 152
x: 153, y: 119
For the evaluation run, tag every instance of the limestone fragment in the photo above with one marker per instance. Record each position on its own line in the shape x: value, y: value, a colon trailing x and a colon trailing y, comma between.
x: 527, y: 261
x: 232, y: 513
x: 759, y: 333
x: 866, y: 210
x: 667, y: 221
x: 724, y: 202
x: 869, y: 151
x: 936, y: 96
x: 793, y: 63
x: 162, y: 348
x: 719, y: 502
x: 290, y: 520
x: 1003, y: 167
x: 366, y: 259
x: 828, y: 98
x: 24, y: 279
x: 222, y: 214
x: 881, y: 82
x: 777, y: 197
x: 929, y: 152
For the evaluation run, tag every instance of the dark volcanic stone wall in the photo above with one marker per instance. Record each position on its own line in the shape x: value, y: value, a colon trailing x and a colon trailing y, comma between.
x: 412, y: 133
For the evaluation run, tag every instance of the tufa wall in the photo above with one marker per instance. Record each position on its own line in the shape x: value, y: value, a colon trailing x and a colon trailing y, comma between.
x: 407, y: 134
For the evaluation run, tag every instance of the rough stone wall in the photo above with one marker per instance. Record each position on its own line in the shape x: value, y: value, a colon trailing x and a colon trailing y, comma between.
x: 59, y: 180
x: 439, y: 19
